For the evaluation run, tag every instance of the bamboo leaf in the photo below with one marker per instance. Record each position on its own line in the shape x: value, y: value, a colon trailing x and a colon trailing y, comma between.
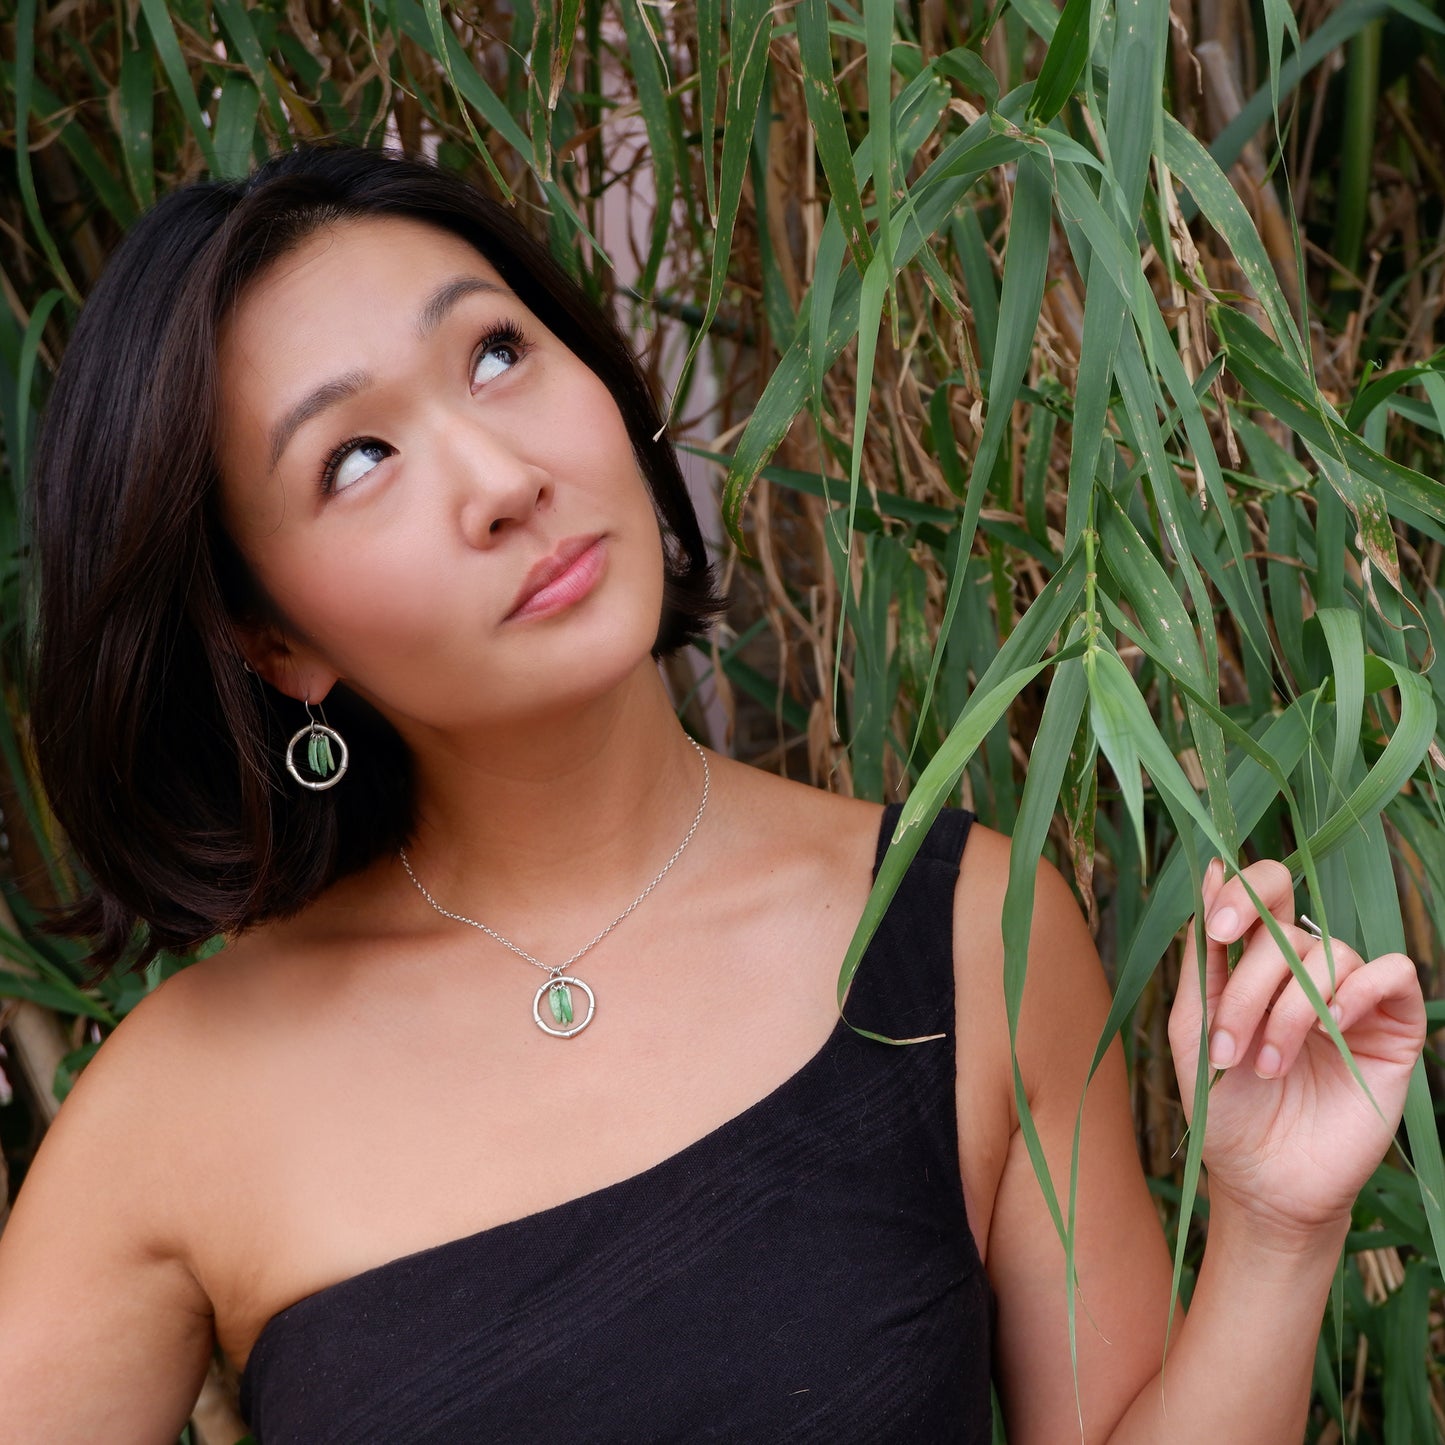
x: 173, y: 62
x: 137, y: 121
x: 750, y: 32
x: 830, y: 135
x: 1064, y: 61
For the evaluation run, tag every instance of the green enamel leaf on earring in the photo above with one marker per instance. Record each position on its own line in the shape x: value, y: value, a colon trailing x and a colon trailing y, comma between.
x: 559, y: 996
x: 318, y: 755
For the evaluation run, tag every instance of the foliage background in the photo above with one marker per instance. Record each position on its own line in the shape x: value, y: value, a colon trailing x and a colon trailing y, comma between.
x: 1074, y: 381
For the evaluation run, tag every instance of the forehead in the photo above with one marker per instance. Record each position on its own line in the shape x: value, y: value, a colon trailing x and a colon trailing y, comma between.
x: 390, y: 263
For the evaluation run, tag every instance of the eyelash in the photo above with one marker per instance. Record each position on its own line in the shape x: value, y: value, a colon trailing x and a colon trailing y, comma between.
x: 504, y: 333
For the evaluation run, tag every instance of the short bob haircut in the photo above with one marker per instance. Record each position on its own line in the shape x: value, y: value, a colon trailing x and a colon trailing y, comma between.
x: 161, y: 754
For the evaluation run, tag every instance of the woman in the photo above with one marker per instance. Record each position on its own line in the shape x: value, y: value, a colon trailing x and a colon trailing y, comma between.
x: 341, y: 434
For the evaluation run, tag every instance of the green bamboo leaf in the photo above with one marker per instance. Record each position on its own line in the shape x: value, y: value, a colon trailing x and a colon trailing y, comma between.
x: 968, y: 68
x: 651, y: 84
x: 236, y: 126
x: 983, y: 710
x: 421, y: 22
x: 1346, y: 20
x: 1014, y: 665
x: 442, y: 41
x: 1163, y: 618
x: 1201, y: 176
x: 137, y: 123
x: 1024, y: 272
x: 1426, y: 1155
x: 24, y: 85
x: 568, y: 14
x: 1040, y: 16
x: 878, y: 52
x: 25, y: 378
x: 539, y: 80
x: 1130, y: 737
x: 1373, y: 394
x: 242, y: 41
x: 1346, y: 642
x: 1402, y: 755
x: 1254, y: 783
x: 38, y: 975
x: 1136, y: 98
x: 937, y: 194
x: 1409, y: 1416
x: 173, y: 62
x: 1273, y: 382
x: 1048, y: 760
x: 1064, y: 61
x: 39, y: 991
x: 709, y: 68
x: 750, y: 33
x: 1115, y: 724
x: 830, y: 135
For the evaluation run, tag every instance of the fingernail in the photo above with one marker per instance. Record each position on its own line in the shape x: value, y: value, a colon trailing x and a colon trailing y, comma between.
x: 1337, y: 1013
x: 1221, y: 1049
x: 1267, y: 1062
x: 1222, y: 925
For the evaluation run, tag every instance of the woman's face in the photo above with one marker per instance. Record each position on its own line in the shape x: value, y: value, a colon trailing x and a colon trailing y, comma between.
x: 438, y: 497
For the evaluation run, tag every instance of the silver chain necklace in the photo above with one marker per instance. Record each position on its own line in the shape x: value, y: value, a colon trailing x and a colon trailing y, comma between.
x: 559, y: 985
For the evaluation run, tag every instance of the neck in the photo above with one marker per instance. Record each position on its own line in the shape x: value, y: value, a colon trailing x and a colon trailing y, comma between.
x: 545, y: 826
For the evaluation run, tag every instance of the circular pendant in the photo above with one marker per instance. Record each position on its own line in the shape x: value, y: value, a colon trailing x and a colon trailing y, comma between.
x: 555, y: 997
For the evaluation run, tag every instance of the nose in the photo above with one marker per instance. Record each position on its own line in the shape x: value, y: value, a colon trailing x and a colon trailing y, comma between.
x: 497, y: 486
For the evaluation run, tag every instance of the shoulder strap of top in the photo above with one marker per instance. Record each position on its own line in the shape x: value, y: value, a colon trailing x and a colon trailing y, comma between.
x: 904, y: 984
x: 943, y: 842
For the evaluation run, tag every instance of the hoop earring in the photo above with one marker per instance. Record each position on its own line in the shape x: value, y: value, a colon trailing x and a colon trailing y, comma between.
x: 322, y: 762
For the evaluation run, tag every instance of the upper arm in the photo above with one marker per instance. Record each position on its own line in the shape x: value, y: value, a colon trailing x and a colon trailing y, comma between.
x: 104, y: 1332
x: 1122, y: 1264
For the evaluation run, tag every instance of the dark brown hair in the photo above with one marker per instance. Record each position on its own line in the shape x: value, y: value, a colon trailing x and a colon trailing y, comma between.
x: 160, y: 754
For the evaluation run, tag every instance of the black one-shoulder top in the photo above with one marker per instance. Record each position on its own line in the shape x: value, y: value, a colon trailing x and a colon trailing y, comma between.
x: 804, y: 1273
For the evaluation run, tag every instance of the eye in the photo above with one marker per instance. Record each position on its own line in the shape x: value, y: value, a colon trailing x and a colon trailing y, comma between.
x: 351, y: 461
x: 501, y: 349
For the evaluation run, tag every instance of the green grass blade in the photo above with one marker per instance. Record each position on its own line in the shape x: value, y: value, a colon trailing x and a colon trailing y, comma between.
x: 173, y: 62
x: 24, y: 82
x: 750, y: 34
x: 830, y: 135
x: 651, y: 84
x: 236, y: 126
x: 243, y: 42
x: 709, y: 70
x: 137, y: 124
x: 1064, y: 61
x: 1024, y: 272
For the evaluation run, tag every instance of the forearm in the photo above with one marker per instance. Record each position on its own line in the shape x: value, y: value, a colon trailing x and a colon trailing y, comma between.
x: 1239, y: 1366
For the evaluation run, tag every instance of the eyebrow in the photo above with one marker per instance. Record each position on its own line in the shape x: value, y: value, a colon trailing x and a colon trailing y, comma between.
x: 342, y: 388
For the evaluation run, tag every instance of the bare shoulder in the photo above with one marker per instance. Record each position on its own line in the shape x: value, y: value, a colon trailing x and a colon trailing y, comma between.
x: 105, y: 1331
x: 1063, y: 965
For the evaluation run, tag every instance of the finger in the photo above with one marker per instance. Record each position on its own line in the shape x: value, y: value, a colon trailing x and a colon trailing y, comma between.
x: 1289, y: 1021
x: 1386, y: 993
x: 1233, y: 912
x: 1258, y: 977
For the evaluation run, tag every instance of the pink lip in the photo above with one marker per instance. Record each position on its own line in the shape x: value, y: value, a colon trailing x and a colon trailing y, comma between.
x: 565, y: 576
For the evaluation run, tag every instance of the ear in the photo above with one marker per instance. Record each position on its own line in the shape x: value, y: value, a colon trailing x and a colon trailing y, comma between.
x: 290, y: 668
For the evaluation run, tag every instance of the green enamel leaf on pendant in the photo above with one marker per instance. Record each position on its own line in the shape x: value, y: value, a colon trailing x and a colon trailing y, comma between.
x: 559, y: 996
